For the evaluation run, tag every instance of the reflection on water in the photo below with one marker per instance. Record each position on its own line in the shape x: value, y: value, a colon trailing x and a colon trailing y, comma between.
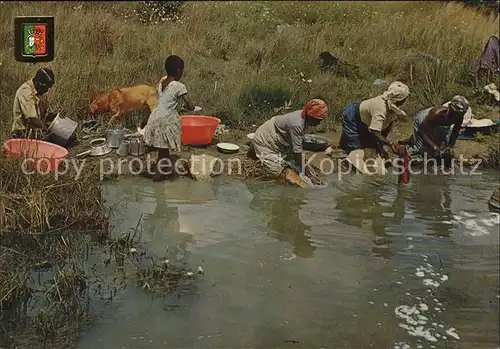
x: 282, y: 211
x: 372, y: 206
x: 363, y: 263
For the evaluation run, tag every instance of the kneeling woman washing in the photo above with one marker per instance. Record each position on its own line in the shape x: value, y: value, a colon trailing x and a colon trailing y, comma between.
x: 431, y: 128
x: 163, y: 130
x: 366, y: 124
x: 278, y: 142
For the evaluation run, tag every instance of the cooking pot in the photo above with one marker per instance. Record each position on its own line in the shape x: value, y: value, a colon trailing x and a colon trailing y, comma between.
x: 61, y: 130
x: 99, y: 147
x: 114, y: 138
x: 124, y: 148
x: 136, y: 146
x: 313, y: 142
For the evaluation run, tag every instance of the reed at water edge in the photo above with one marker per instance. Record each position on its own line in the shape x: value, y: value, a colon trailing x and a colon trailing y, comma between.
x: 58, y: 256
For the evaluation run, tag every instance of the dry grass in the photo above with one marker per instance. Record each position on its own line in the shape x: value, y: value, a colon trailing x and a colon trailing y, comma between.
x: 35, y: 204
x: 237, y: 66
x: 250, y: 169
x: 42, y: 227
x: 493, y: 157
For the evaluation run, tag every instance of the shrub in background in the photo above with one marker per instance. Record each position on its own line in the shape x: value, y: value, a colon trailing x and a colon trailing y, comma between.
x: 159, y: 11
x: 260, y: 100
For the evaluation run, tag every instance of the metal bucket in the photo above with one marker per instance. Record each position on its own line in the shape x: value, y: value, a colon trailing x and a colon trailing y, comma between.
x: 124, y: 148
x: 136, y: 146
x: 61, y: 130
x: 114, y: 138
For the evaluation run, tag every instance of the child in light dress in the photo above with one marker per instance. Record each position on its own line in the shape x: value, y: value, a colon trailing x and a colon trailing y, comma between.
x: 163, y: 130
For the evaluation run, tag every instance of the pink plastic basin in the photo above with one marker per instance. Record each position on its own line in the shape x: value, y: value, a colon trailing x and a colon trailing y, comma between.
x: 198, y: 129
x: 46, y: 156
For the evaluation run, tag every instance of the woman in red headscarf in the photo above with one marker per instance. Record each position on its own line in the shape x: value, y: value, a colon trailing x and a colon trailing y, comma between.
x: 278, y: 142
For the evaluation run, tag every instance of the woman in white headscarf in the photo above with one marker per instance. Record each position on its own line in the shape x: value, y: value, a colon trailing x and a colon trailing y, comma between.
x: 431, y: 128
x: 366, y: 124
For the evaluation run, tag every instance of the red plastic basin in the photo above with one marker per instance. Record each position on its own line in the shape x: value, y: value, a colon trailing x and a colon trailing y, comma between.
x: 46, y: 156
x: 198, y: 129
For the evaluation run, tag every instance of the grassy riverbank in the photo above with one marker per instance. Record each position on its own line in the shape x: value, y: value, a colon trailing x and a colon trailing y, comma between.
x: 243, y: 59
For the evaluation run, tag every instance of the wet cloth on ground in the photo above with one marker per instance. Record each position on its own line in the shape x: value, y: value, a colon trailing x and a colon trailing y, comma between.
x: 490, y: 57
x: 276, y: 140
x: 163, y: 129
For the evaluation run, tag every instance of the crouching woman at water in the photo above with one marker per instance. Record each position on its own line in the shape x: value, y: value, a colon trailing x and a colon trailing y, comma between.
x: 366, y: 124
x: 431, y: 128
x: 163, y: 130
x: 278, y: 142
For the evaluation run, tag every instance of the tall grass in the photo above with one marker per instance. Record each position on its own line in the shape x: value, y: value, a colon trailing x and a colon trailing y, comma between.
x: 238, y: 66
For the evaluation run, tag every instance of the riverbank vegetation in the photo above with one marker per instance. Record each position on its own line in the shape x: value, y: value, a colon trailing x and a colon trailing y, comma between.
x: 59, y: 262
x: 44, y: 236
x: 245, y: 59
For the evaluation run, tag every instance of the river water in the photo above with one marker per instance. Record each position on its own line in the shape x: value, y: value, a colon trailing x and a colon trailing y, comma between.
x: 363, y: 263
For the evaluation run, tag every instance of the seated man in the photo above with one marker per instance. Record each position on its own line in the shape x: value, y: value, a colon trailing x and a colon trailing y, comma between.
x: 278, y: 142
x: 31, y: 106
x: 431, y: 128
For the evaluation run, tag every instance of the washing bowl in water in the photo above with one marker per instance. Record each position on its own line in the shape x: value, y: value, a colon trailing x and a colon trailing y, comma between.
x: 198, y: 129
x: 46, y: 156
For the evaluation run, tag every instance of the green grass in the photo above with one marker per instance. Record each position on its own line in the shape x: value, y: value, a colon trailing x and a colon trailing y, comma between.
x: 237, y: 66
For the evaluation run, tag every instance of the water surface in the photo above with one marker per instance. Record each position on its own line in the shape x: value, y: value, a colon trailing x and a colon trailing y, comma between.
x: 363, y: 263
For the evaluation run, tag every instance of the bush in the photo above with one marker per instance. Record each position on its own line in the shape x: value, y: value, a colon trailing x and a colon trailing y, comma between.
x: 493, y: 159
x: 159, y: 11
x: 261, y: 100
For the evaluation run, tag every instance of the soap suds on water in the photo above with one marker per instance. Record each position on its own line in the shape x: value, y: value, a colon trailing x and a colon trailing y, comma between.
x: 414, y: 318
x: 467, y: 214
x: 474, y: 226
x: 423, y: 307
x: 430, y: 282
x: 451, y: 332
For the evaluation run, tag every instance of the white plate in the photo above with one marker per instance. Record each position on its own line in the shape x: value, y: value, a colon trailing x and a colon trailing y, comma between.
x: 250, y: 136
x: 228, y: 147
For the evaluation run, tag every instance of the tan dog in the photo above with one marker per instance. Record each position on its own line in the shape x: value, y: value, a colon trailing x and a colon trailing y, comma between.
x: 121, y: 100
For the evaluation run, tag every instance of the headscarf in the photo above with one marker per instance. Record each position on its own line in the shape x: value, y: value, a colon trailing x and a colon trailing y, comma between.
x: 315, y: 108
x: 396, y: 92
x: 459, y: 104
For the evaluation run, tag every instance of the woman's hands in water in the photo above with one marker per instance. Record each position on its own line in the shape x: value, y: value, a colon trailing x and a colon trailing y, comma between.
x: 384, y: 154
x: 395, y: 147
